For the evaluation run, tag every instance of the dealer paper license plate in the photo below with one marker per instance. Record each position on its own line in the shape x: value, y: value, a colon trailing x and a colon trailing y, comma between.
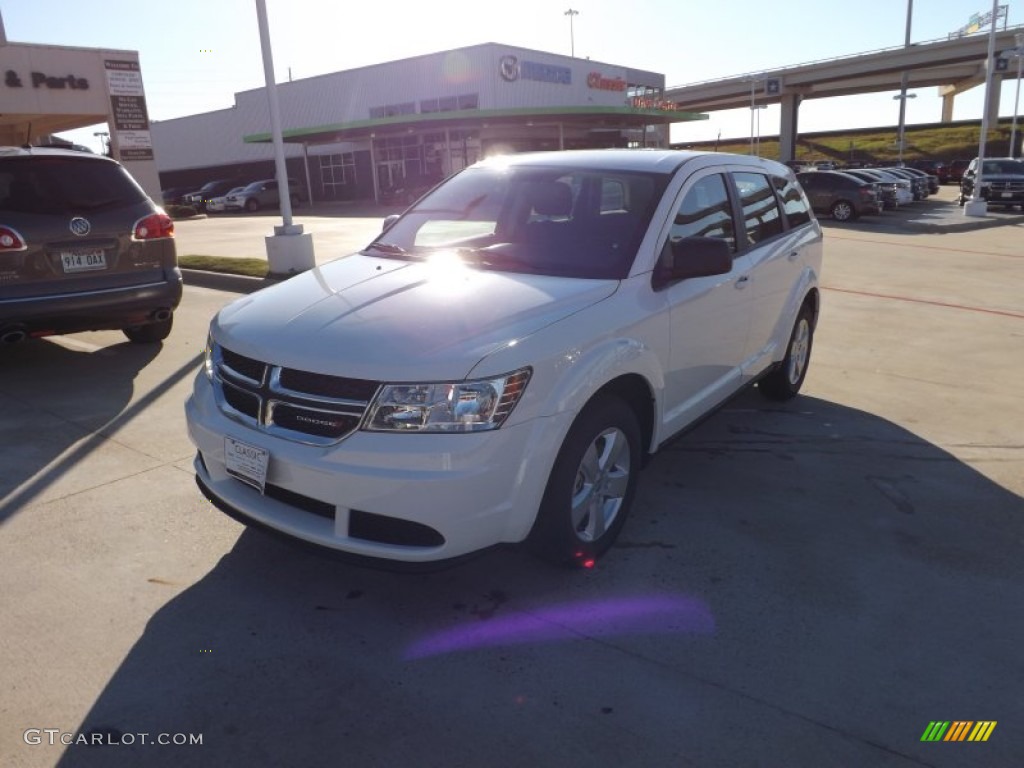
x: 247, y: 462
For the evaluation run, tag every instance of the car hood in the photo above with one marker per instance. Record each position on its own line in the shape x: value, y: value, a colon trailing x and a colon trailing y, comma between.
x: 390, y: 320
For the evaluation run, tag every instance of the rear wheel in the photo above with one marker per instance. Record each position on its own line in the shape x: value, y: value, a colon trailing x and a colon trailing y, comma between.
x: 591, y: 486
x: 843, y: 210
x: 252, y: 205
x: 785, y: 381
x: 150, y: 333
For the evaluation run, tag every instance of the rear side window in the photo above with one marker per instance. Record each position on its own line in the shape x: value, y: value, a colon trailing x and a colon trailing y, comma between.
x: 794, y: 203
x: 49, y: 185
x: 760, y: 208
x: 705, y: 212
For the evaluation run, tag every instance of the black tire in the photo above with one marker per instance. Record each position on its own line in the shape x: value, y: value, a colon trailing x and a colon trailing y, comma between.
x: 150, y: 333
x: 844, y: 210
x: 785, y: 381
x: 595, y: 471
x: 252, y: 205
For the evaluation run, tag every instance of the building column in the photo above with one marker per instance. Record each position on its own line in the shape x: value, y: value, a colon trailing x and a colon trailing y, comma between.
x: 788, y: 125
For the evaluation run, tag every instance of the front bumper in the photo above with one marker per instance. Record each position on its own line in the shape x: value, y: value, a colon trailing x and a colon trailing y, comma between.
x: 409, y: 498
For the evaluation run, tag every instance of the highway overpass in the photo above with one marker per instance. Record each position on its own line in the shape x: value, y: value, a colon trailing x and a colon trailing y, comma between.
x: 954, y: 66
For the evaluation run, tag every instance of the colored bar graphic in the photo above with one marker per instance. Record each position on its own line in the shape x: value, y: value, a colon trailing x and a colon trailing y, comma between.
x: 982, y: 730
x: 935, y: 731
x: 959, y: 730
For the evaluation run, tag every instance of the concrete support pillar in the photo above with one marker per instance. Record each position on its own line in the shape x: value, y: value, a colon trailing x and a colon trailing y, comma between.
x: 947, y: 107
x: 788, y: 126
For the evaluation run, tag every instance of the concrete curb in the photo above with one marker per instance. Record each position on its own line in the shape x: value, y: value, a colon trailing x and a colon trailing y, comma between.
x: 969, y: 225
x: 222, y: 281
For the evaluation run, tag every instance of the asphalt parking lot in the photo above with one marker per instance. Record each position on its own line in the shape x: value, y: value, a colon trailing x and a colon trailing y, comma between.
x: 801, y: 585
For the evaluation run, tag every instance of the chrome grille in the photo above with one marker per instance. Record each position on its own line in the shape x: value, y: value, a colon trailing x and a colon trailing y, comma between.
x: 297, y: 405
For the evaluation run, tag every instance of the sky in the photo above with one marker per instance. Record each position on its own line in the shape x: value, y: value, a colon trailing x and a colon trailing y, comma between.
x: 195, y: 54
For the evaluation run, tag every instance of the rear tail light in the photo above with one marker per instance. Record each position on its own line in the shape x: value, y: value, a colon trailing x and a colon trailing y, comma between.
x: 10, y: 240
x: 154, y: 226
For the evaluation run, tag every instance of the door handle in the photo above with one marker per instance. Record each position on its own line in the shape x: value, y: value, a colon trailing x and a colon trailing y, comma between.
x: 793, y: 256
x: 741, y: 281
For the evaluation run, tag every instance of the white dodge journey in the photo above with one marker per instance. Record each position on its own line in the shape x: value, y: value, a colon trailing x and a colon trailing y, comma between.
x: 497, y: 365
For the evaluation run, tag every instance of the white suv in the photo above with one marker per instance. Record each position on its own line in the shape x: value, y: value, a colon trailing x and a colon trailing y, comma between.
x: 496, y: 366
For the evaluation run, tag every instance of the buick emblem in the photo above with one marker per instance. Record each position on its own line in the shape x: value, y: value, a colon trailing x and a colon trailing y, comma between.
x: 509, y: 66
x: 80, y: 226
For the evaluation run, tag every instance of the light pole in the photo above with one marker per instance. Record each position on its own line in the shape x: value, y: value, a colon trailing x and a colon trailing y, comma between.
x: 1018, y: 40
x: 753, y: 106
x: 572, y: 39
x: 903, y: 85
x: 977, y: 205
x: 104, y: 137
x: 900, y: 140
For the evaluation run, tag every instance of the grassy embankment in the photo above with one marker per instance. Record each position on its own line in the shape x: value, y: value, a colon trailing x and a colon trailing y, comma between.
x: 934, y: 141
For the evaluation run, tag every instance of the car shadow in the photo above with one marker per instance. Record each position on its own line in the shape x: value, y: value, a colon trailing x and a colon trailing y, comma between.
x: 802, y: 580
x: 68, y: 398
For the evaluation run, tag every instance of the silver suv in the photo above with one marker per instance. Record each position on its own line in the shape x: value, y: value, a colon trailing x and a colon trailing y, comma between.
x: 263, y: 194
x: 81, y: 248
x: 1002, y: 182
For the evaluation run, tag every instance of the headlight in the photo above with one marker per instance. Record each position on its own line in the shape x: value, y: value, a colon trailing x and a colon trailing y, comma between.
x: 460, y: 406
x: 208, y: 356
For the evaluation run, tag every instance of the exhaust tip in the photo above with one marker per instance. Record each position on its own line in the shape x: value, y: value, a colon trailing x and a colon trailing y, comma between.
x: 161, y: 315
x: 12, y: 335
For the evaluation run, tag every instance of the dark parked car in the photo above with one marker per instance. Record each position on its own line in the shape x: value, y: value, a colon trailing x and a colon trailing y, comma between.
x: 933, y: 180
x: 886, y: 190
x: 844, y: 197
x: 81, y: 248
x: 936, y: 168
x: 956, y: 170
x: 208, y: 191
x: 175, y: 195
x: 919, y: 183
x: 1002, y: 182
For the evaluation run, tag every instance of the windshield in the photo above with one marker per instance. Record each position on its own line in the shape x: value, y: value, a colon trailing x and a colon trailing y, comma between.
x: 993, y: 167
x: 569, y: 222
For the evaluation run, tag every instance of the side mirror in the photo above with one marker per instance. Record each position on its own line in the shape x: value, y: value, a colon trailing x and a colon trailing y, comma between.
x: 389, y: 222
x: 693, y: 257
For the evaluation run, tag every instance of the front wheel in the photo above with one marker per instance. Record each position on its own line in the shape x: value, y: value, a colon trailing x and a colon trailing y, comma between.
x: 785, y: 381
x: 252, y: 205
x: 591, y: 486
x: 843, y: 210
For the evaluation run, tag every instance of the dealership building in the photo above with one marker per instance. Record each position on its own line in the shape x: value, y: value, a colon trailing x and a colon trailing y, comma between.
x: 349, y: 135
x: 354, y: 134
x: 46, y: 89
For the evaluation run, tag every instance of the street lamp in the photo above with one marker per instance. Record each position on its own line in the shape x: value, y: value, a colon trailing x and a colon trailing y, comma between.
x: 977, y: 205
x: 1018, y: 40
x: 104, y: 137
x: 901, y: 132
x: 753, y: 107
x: 903, y: 95
x: 572, y: 39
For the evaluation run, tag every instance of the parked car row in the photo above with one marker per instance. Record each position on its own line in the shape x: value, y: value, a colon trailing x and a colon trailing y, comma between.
x: 848, y: 194
x: 230, y: 195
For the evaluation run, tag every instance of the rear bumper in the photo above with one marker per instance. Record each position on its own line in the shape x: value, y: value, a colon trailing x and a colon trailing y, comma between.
x: 93, y: 310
